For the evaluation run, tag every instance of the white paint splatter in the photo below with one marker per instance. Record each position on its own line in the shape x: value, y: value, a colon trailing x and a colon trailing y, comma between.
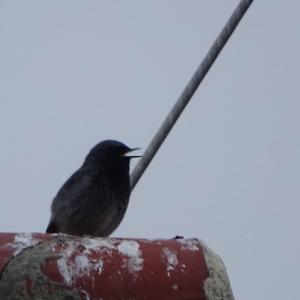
x: 172, y: 260
x: 192, y: 245
x: 65, y: 270
x: 83, y: 265
x: 72, y: 265
x: 23, y: 241
x: 86, y: 295
x: 183, y: 267
x: 131, y: 249
x: 76, y: 261
x: 98, y: 244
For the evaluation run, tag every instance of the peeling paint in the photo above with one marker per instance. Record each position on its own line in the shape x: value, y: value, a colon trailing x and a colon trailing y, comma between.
x: 70, y: 269
x: 86, y: 295
x: 23, y: 241
x: 84, y: 265
x: 73, y: 264
x: 131, y: 249
x: 172, y: 260
x: 192, y: 245
x: 183, y: 267
x: 98, y: 244
x: 65, y: 270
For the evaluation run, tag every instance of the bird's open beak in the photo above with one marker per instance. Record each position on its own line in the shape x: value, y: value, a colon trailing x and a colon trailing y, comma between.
x: 128, y: 153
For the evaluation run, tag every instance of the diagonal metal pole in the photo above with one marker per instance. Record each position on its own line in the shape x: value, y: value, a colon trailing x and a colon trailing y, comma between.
x: 189, y: 91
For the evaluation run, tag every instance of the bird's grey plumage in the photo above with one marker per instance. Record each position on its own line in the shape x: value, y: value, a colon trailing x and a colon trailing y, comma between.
x: 94, y: 199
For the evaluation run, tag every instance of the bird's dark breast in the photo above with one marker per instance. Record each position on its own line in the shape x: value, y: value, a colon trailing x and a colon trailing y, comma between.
x: 111, y: 210
x: 103, y: 210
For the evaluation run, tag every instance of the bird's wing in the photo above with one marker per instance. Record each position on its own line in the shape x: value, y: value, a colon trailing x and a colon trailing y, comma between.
x: 71, y: 196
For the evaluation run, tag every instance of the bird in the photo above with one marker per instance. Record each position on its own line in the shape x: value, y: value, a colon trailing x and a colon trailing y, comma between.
x: 93, y: 201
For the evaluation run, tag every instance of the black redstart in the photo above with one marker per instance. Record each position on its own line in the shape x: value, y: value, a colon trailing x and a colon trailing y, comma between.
x: 94, y: 199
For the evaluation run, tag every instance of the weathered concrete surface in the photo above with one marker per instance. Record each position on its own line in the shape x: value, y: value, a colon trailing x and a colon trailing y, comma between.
x: 23, y: 279
x: 216, y: 286
x: 66, y: 267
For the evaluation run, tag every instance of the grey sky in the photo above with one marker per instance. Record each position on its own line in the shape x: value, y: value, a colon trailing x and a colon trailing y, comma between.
x: 73, y: 73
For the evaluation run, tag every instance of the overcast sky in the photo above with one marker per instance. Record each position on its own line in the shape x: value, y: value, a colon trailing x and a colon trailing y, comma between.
x: 73, y: 73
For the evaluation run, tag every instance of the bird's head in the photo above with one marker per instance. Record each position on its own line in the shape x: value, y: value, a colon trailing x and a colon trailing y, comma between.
x: 111, y: 154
